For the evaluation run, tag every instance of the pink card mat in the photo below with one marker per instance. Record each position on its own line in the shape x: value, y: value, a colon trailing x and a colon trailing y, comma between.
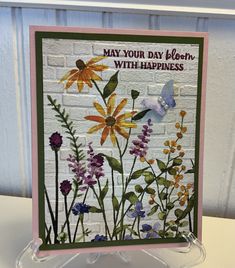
x: 117, y: 136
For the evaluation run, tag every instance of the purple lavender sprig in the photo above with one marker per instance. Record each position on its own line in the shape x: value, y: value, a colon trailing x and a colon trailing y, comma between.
x: 140, y: 147
x: 87, y: 177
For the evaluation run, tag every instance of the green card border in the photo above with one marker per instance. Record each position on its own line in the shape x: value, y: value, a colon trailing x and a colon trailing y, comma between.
x: 39, y: 35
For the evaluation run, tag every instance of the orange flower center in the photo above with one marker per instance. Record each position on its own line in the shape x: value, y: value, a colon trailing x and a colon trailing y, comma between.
x: 80, y: 64
x: 110, y: 121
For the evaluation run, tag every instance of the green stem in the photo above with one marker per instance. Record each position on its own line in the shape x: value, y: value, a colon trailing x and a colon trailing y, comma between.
x: 130, y: 129
x: 50, y: 209
x: 113, y: 195
x: 103, y: 212
x: 101, y: 94
x: 83, y: 229
x: 76, y: 228
x: 56, y: 196
x: 67, y: 219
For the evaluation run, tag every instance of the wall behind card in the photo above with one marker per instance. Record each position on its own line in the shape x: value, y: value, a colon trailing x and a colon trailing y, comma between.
x: 15, y: 134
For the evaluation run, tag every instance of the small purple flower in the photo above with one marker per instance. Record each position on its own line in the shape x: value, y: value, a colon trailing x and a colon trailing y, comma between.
x: 137, y: 211
x: 149, y: 231
x: 128, y: 237
x: 99, y: 238
x: 80, y: 208
x: 65, y: 187
x: 95, y: 164
x: 139, y: 148
x: 55, y: 141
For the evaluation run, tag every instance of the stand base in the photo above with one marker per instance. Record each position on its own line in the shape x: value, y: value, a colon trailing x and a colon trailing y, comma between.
x: 186, y: 257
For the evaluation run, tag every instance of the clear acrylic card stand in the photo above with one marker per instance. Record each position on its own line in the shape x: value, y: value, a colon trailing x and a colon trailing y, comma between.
x: 191, y: 255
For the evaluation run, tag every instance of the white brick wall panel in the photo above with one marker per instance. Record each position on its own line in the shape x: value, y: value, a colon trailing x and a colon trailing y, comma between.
x: 82, y: 48
x: 80, y: 100
x: 52, y: 86
x: 136, y: 75
x: 186, y: 103
x: 57, y: 61
x: 188, y: 90
x: 56, y: 47
x: 77, y: 114
x: 50, y: 168
x: 49, y: 73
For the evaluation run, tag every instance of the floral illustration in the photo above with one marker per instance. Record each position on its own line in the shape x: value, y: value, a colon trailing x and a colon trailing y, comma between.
x: 149, y: 192
x: 84, y: 74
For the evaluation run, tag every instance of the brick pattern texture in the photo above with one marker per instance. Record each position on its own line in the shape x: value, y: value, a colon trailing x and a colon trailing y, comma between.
x: 59, y: 56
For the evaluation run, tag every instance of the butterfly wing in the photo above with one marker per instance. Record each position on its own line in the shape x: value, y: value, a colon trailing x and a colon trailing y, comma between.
x: 168, y: 93
x: 153, y: 104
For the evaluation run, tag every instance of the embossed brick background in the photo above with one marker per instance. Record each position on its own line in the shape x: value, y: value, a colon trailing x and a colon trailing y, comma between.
x: 59, y: 56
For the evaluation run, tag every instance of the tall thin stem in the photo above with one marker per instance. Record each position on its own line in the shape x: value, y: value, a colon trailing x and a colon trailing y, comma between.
x: 101, y: 94
x: 56, y: 196
x: 67, y: 219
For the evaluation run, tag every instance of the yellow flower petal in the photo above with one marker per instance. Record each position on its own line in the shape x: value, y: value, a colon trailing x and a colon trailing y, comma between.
x: 95, y: 128
x: 113, y: 137
x: 65, y: 77
x: 127, y: 124
x: 120, y: 107
x: 111, y: 104
x: 95, y: 118
x: 121, y: 131
x: 99, y: 108
x: 94, y: 76
x: 98, y: 68
x: 80, y: 85
x: 94, y: 60
x: 125, y: 116
x: 71, y: 79
x: 104, y: 135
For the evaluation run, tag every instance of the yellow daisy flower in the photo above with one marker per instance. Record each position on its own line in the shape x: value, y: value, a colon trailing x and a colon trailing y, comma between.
x: 110, y: 121
x: 84, y: 73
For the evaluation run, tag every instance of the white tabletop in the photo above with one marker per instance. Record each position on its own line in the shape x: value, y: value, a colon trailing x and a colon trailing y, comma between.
x: 15, y: 233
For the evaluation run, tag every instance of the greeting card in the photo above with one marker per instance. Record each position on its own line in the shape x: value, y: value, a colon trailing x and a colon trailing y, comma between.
x: 118, y: 120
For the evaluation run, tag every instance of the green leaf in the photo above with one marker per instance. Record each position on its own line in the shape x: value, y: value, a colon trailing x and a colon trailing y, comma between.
x: 163, y: 196
x: 188, y: 208
x: 190, y: 171
x: 153, y: 210
x: 167, y: 183
x: 139, y: 189
x: 148, y: 177
x: 170, y: 205
x: 161, y: 181
x: 171, y: 171
x: 135, y: 175
x: 183, y: 224
x: 104, y: 190
x: 169, y: 234
x: 132, y: 231
x: 140, y: 115
x: 178, y: 213
x: 161, y: 165
x: 95, y: 210
x: 135, y: 94
x: 161, y: 215
x: 131, y: 197
x: 173, y: 228
x: 177, y: 162
x: 150, y: 190
x: 115, y: 203
x: 111, y: 85
x: 113, y: 163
